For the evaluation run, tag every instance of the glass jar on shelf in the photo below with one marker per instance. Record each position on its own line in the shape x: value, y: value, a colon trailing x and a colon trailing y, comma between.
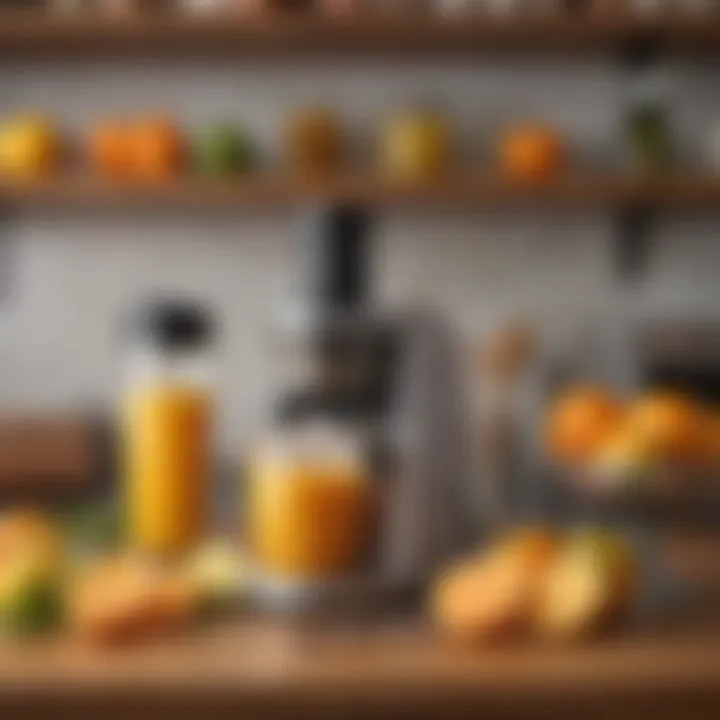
x: 647, y: 124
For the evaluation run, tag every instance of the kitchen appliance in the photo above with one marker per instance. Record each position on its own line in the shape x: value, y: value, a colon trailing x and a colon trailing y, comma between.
x: 390, y: 387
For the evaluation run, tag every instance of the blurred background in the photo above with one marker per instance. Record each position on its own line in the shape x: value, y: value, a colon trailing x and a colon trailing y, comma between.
x: 343, y: 303
x: 68, y: 276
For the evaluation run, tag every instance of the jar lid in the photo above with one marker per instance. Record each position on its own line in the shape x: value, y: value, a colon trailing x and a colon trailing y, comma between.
x: 172, y: 323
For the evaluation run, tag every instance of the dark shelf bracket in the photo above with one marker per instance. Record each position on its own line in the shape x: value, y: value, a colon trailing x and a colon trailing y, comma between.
x: 635, y: 222
x: 7, y: 251
x: 632, y: 242
x: 640, y: 52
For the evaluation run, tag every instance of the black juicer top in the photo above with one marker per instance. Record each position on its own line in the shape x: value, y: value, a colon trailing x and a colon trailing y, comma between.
x: 336, y: 258
x: 347, y: 347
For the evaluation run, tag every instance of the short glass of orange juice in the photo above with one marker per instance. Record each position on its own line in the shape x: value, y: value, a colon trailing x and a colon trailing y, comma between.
x: 310, y: 506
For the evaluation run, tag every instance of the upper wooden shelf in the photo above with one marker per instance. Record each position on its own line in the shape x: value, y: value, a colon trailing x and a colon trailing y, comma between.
x: 34, y: 33
x: 466, y: 191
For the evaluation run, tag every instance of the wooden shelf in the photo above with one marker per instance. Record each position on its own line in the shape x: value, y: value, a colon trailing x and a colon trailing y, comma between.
x: 33, y: 33
x: 466, y: 191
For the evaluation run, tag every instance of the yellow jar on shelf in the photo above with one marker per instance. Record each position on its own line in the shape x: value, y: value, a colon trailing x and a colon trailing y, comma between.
x: 415, y: 146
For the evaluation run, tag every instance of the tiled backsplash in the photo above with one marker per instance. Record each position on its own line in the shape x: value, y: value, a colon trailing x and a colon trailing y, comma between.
x: 71, y: 275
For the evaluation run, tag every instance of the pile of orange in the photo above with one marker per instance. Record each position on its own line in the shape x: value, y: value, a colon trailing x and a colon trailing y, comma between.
x: 532, y: 153
x: 580, y: 421
x: 146, y: 149
x: 666, y: 428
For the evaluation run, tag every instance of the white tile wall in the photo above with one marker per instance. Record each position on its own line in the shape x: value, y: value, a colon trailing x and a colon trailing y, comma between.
x: 71, y: 275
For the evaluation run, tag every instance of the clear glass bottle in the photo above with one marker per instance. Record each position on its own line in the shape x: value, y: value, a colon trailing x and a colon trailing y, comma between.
x: 166, y: 427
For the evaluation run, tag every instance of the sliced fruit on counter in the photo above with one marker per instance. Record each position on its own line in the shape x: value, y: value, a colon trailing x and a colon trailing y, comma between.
x: 125, y: 599
x: 218, y: 572
x: 591, y: 582
x: 31, y: 574
x: 494, y: 595
x: 532, y: 582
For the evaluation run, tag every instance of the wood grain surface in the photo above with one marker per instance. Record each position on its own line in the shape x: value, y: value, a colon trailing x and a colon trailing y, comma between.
x: 267, y: 665
x: 487, y: 190
x: 665, y: 667
x: 282, y: 34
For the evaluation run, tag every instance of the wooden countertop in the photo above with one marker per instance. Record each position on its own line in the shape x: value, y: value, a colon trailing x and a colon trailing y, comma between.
x: 670, y: 669
x: 251, y: 664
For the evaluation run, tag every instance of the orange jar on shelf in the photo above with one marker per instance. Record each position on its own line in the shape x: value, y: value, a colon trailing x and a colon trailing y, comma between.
x: 150, y: 149
x: 313, y: 141
x: 109, y: 149
x: 310, y: 507
x: 166, y: 429
x: 532, y: 153
x: 157, y: 149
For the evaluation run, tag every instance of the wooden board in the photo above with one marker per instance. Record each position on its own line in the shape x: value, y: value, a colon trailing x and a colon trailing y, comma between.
x: 667, y: 669
x: 464, y: 190
x: 267, y: 665
x: 46, y: 33
x: 52, y: 457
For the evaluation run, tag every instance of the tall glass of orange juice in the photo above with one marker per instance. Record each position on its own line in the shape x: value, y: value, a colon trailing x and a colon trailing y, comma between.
x: 166, y: 429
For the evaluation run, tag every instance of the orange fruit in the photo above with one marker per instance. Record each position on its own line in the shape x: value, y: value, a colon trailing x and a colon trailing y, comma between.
x: 156, y: 148
x: 580, y: 421
x: 591, y: 583
x: 533, y: 546
x: 482, y: 600
x: 313, y: 140
x: 671, y: 425
x: 493, y: 596
x: 532, y: 153
x: 28, y: 533
x: 109, y: 149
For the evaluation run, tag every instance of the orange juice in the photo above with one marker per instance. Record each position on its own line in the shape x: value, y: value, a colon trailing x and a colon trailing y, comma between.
x: 167, y: 434
x: 309, y: 519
